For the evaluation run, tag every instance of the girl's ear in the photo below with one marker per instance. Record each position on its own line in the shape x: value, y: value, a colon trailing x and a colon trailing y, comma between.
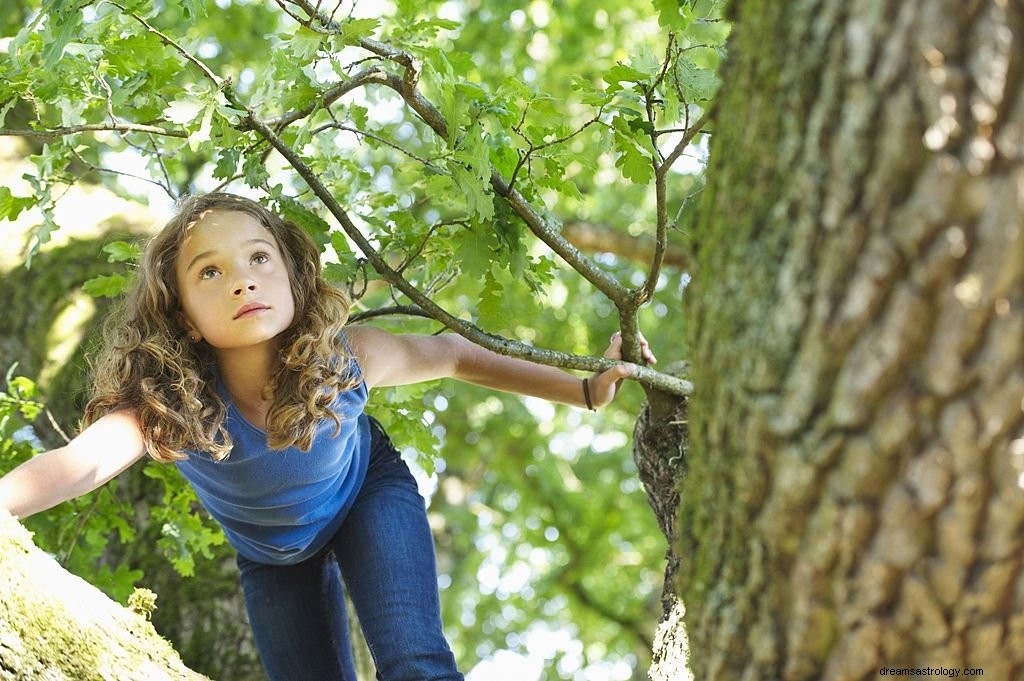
x: 193, y: 332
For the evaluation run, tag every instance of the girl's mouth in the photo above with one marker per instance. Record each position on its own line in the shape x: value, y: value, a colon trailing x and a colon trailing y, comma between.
x: 249, y: 309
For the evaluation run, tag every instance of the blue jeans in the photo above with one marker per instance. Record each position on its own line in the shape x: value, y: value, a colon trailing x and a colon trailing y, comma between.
x: 384, y: 552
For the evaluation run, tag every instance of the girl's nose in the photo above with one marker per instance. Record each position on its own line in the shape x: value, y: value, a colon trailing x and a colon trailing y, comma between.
x: 242, y: 287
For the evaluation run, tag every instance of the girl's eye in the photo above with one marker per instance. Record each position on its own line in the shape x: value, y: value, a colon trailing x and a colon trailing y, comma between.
x: 260, y: 258
x: 207, y: 272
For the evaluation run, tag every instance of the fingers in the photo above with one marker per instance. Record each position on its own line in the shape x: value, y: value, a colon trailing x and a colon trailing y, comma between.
x: 626, y: 370
x: 605, y: 385
x: 614, y: 350
x: 618, y: 372
x: 645, y: 351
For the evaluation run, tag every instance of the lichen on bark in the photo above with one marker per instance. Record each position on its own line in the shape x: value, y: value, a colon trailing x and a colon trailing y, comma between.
x: 854, y: 497
x: 55, y: 626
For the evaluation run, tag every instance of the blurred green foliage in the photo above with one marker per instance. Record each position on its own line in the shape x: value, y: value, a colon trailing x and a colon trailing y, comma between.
x: 541, y: 523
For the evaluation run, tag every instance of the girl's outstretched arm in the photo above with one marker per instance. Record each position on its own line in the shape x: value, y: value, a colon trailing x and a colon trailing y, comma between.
x: 389, y: 359
x: 98, y: 454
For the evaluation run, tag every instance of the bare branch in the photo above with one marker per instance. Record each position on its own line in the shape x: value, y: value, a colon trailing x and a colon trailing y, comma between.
x: 406, y: 88
x: 376, y: 138
x: 119, y: 173
x: 300, y: 20
x: 168, y: 183
x: 661, y: 201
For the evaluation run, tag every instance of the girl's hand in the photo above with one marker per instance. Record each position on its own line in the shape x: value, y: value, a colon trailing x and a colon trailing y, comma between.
x: 605, y: 385
x: 614, y: 350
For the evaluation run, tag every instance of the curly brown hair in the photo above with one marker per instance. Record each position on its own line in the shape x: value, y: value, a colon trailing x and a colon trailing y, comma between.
x: 148, y: 365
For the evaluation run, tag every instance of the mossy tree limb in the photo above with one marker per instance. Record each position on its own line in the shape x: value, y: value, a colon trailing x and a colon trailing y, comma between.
x: 55, y: 626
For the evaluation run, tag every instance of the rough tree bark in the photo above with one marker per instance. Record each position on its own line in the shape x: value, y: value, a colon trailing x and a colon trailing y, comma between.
x: 57, y: 627
x: 659, y: 449
x: 854, y: 496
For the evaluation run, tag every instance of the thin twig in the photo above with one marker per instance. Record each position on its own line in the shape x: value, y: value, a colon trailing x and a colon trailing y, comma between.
x: 167, y: 40
x: 55, y: 425
x: 301, y: 21
x: 110, y: 171
x: 423, y: 244
x: 405, y: 310
x: 661, y: 171
x: 684, y: 142
x: 53, y: 133
x: 524, y: 157
x: 330, y: 96
x: 169, y: 186
x: 376, y: 138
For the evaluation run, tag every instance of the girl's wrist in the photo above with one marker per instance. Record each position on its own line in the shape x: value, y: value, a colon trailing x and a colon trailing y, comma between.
x: 587, y: 399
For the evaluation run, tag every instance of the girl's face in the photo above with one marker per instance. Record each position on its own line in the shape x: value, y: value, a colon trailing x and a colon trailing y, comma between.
x: 233, y: 281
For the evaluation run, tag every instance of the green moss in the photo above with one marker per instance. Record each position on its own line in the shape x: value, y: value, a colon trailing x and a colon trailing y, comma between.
x: 56, y: 626
x: 49, y: 636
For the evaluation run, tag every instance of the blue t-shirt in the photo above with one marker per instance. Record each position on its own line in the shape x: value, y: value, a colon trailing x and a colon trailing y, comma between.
x: 280, y: 507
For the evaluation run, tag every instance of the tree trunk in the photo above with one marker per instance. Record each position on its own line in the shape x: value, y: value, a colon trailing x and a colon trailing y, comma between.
x: 854, y: 495
x: 56, y: 627
x: 660, y: 449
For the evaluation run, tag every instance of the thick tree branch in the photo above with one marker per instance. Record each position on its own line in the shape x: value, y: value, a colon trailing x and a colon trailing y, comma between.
x: 56, y: 626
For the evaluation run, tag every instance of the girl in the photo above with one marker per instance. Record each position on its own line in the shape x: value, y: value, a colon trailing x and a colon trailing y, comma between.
x: 229, y: 359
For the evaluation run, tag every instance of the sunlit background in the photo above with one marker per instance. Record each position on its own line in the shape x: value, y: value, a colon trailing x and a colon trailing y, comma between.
x: 522, y: 596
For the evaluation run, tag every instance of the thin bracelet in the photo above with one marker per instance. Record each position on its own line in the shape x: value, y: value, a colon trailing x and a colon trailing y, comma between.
x: 586, y: 395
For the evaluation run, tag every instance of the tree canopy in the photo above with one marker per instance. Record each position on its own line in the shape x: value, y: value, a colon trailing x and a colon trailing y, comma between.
x: 457, y: 161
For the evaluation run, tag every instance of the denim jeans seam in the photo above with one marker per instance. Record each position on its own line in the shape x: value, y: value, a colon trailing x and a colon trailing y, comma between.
x: 326, y: 605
